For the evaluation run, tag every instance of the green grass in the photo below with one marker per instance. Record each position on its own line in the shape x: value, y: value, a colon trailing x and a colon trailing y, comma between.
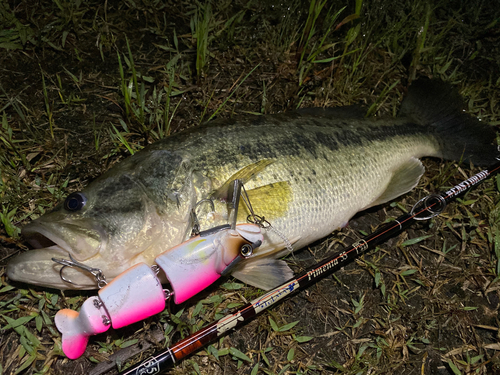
x: 201, y: 25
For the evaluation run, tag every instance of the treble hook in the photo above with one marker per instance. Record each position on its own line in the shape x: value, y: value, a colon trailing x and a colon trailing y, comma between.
x: 194, y: 218
x: 246, y: 200
x: 96, y: 272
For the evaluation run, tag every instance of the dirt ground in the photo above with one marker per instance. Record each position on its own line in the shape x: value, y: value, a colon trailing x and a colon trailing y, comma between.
x: 85, y: 83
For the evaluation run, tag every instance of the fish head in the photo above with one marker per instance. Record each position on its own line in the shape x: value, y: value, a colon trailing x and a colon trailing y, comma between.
x: 127, y: 216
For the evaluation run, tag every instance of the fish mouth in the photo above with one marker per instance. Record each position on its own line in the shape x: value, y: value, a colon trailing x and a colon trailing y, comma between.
x: 41, y: 237
x: 38, y: 270
x: 37, y: 266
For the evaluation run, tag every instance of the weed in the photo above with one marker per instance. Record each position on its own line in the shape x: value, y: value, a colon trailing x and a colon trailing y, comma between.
x: 14, y: 35
x: 164, y: 127
x: 283, y: 328
x: 309, y: 29
x: 313, y: 50
x: 48, y: 106
x: 358, y: 305
x: 6, y: 217
x: 420, y: 43
x: 201, y: 25
x: 232, y: 93
x: 119, y: 137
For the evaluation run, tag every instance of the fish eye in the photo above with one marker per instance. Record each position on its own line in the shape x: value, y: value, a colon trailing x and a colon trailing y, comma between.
x: 75, y: 202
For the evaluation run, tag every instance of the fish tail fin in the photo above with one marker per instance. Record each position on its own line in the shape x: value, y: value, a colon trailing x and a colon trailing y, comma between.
x: 461, y: 136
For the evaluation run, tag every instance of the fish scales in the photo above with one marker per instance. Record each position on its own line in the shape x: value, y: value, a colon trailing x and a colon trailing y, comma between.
x: 328, y: 179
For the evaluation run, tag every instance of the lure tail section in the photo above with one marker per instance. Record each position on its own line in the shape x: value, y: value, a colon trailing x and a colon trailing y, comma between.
x: 77, y: 327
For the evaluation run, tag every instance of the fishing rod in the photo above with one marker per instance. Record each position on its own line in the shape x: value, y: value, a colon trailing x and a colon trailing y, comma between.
x: 428, y: 207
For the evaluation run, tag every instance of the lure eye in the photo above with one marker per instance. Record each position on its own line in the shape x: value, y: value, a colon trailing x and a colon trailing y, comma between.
x: 246, y: 250
x: 75, y: 202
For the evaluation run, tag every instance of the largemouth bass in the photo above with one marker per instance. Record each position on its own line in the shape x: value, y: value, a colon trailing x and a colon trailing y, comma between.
x: 307, y: 172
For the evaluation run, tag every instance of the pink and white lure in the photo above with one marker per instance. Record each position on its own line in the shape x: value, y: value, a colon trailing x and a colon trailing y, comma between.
x: 137, y: 293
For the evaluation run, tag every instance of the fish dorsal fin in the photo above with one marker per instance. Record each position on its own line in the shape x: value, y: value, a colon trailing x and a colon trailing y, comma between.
x: 244, y: 175
x: 269, y: 201
x: 403, y: 179
x: 263, y: 273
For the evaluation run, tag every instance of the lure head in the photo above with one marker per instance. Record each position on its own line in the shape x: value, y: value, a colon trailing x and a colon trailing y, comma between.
x: 195, y: 264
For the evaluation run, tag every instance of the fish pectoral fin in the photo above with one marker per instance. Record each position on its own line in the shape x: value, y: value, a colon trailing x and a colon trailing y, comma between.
x: 245, y: 174
x: 263, y: 273
x: 403, y: 179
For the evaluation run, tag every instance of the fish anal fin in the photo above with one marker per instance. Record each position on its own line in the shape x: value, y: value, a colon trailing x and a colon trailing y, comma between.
x: 245, y: 174
x: 404, y: 179
x: 263, y: 273
x: 270, y: 201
